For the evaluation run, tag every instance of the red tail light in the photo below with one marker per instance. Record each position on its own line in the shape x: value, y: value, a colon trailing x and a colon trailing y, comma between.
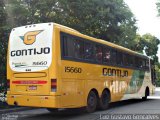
x: 53, y: 85
x: 8, y: 84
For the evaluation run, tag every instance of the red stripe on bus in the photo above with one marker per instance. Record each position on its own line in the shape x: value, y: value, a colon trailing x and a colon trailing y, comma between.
x: 29, y: 82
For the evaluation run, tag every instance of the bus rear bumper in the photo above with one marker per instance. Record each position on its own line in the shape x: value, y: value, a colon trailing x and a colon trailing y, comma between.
x: 34, y: 101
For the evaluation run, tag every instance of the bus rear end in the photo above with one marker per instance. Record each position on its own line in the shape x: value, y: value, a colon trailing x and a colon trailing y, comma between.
x: 29, y: 61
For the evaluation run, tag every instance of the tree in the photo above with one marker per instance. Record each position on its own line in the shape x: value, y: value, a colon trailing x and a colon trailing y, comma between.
x: 147, y: 43
x: 3, y: 38
x: 110, y: 20
x: 17, y: 13
x: 151, y: 46
x: 3, y: 46
x: 157, y: 69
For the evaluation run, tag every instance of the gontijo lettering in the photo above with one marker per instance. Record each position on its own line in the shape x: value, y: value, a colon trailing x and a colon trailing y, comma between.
x: 115, y: 72
x: 32, y: 51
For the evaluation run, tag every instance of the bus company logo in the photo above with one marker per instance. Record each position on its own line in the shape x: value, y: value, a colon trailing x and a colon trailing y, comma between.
x: 30, y: 37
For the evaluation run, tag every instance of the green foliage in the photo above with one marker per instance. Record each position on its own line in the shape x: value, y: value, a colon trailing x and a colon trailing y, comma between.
x: 3, y: 46
x: 151, y: 47
x: 147, y: 43
x: 16, y: 13
x: 3, y: 37
x: 157, y: 69
x: 110, y: 20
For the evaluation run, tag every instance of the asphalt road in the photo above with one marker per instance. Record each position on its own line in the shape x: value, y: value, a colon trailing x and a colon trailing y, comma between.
x: 128, y: 109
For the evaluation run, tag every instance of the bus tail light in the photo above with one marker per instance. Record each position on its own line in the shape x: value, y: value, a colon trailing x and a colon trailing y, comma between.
x: 53, y: 85
x: 8, y: 84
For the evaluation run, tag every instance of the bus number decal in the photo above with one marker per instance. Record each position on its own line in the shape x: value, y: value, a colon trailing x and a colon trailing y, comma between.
x: 73, y: 69
x: 40, y: 63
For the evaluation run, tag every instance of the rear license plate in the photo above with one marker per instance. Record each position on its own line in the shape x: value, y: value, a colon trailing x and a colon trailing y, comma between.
x: 32, y: 87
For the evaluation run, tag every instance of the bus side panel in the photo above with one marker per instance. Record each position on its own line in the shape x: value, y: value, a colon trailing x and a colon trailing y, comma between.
x: 78, y: 85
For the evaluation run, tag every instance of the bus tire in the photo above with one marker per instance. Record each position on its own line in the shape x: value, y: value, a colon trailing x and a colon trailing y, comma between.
x: 91, y: 102
x: 146, y: 94
x: 104, y: 100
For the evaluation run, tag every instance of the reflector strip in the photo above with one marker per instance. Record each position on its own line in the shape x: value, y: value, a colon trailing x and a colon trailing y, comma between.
x: 29, y: 82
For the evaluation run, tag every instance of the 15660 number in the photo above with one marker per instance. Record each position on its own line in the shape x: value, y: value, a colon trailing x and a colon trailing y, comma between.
x: 73, y: 69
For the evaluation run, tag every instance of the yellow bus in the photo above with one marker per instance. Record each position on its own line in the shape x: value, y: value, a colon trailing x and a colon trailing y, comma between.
x: 53, y: 66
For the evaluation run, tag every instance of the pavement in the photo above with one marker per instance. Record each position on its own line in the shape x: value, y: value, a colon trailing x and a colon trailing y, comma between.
x: 156, y: 95
x: 15, y: 109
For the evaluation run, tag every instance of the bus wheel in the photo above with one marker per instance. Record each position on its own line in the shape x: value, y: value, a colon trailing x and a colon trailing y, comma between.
x: 91, y: 102
x: 146, y: 94
x: 104, y: 100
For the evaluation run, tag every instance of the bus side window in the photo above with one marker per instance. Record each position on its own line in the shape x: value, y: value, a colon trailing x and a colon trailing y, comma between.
x: 113, y: 57
x: 144, y: 63
x: 98, y: 54
x: 106, y: 55
x: 131, y: 60
x: 88, y: 51
x: 64, y: 44
x: 140, y: 63
x: 125, y: 59
x: 147, y: 64
x: 137, y: 62
x: 119, y: 56
x: 79, y: 47
x: 68, y: 46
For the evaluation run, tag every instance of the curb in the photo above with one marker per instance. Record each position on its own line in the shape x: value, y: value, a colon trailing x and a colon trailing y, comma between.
x: 16, y: 109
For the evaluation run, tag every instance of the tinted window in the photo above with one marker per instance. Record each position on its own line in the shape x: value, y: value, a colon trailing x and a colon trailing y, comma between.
x: 131, y: 60
x: 79, y: 49
x: 113, y: 57
x: 76, y: 48
x: 88, y: 51
x: 136, y: 62
x: 119, y: 58
x: 106, y: 55
x: 147, y: 63
x: 125, y: 59
x: 140, y: 62
x: 146, y: 67
x: 98, y: 53
x: 68, y: 46
x: 144, y: 63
